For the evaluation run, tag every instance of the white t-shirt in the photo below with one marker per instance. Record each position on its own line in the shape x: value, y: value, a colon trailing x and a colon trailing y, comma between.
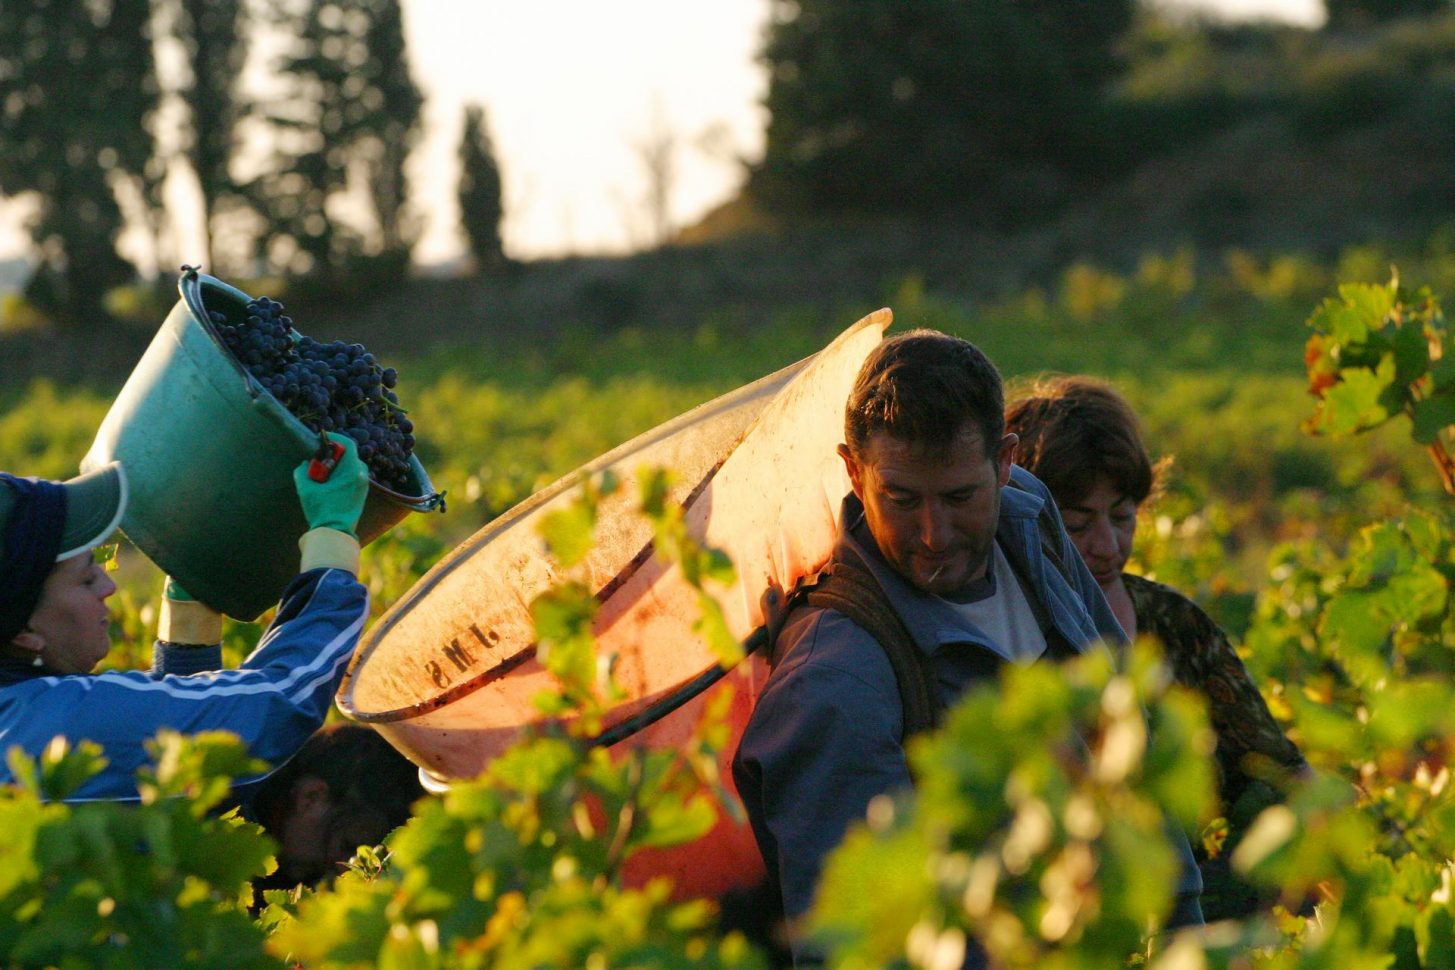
x: 1005, y: 616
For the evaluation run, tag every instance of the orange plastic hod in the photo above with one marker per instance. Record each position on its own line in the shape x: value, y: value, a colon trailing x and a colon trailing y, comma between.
x: 448, y: 674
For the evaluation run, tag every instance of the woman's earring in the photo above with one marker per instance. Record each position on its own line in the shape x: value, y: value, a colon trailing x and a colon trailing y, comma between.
x: 34, y: 661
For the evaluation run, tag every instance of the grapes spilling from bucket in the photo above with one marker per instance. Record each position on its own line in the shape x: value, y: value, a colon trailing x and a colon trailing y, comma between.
x: 332, y: 386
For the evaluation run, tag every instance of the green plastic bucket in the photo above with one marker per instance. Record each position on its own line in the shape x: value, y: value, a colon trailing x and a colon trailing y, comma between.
x: 209, y: 457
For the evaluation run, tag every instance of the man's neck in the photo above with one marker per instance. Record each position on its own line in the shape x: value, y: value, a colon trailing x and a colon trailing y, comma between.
x: 980, y: 588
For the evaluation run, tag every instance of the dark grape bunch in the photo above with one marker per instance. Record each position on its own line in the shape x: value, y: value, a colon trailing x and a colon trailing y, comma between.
x: 332, y: 386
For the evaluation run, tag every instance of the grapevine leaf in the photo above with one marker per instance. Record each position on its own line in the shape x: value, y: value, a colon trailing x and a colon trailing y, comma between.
x: 672, y: 821
x: 1365, y: 307
x: 1403, y: 713
x: 1411, y: 353
x: 63, y: 769
x: 1433, y: 415
x: 1442, y: 372
x: 1355, y: 403
x: 563, y: 618
x: 1441, y: 933
x: 567, y: 532
x: 1362, y: 620
x: 1380, y: 552
x: 20, y: 818
x: 718, y: 566
x: 1340, y: 322
x: 713, y: 627
x: 655, y: 485
x: 873, y: 893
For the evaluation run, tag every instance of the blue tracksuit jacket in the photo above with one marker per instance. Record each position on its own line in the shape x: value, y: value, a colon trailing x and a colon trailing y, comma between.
x: 274, y: 701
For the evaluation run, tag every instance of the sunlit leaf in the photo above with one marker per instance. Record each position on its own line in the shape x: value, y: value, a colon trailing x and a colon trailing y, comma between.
x: 1356, y: 403
x: 567, y: 532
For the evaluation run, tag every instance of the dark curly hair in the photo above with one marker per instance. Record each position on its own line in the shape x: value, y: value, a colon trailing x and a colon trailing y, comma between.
x: 1076, y: 430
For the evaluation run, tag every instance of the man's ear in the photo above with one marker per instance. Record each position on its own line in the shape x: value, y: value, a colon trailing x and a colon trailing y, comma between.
x: 1005, y: 456
x: 856, y: 473
x: 311, y: 797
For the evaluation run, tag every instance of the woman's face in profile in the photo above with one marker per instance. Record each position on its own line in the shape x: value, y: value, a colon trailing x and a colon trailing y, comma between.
x: 71, y: 620
x: 1102, y: 525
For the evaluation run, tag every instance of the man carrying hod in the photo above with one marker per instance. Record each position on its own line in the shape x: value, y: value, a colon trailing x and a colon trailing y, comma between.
x: 950, y: 562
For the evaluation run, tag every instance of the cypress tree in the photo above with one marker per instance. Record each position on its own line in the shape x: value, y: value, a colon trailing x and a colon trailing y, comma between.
x: 479, y: 193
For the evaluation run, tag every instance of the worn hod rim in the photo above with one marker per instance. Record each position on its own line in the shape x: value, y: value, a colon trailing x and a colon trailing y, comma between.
x: 527, y: 507
x: 671, y: 699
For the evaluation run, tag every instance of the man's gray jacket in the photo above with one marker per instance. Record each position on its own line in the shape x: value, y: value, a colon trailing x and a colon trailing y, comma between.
x: 826, y: 736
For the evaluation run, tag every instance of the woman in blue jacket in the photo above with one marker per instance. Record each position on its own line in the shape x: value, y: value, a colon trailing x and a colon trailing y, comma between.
x: 54, y: 631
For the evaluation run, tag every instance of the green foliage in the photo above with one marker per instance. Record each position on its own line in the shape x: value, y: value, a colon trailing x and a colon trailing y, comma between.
x: 1362, y: 13
x: 699, y: 564
x: 1379, y: 352
x: 522, y: 866
x: 1345, y: 625
x: 161, y: 884
x: 47, y: 431
x: 1039, y: 827
x: 1363, y: 647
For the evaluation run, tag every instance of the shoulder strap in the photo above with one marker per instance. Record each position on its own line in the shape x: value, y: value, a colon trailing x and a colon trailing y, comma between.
x: 855, y: 593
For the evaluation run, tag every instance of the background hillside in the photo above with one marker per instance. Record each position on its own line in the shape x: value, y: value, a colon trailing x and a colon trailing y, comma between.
x: 1269, y: 141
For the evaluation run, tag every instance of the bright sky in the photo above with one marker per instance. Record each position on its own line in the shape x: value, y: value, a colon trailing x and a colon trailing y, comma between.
x: 571, y: 88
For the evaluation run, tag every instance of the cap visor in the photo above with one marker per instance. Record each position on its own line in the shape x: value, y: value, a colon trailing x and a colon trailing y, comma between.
x: 95, y: 502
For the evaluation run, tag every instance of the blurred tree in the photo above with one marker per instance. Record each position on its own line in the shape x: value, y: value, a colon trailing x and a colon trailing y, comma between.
x: 395, y: 129
x: 211, y: 33
x: 656, y: 152
x: 344, y: 124
x: 479, y: 193
x: 1364, y: 13
x: 977, y: 107
x: 79, y: 89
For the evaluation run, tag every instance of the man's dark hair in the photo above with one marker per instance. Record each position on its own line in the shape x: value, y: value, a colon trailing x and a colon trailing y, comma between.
x: 922, y: 387
x: 1075, y: 430
x: 365, y: 776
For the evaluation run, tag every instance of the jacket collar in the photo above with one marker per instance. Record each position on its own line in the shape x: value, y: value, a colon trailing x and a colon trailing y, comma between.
x: 932, y: 621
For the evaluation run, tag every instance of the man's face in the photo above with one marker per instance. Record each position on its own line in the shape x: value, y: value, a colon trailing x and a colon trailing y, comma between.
x: 316, y: 839
x: 932, y: 515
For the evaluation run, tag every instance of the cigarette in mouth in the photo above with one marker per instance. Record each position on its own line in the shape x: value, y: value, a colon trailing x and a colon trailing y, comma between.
x: 938, y: 569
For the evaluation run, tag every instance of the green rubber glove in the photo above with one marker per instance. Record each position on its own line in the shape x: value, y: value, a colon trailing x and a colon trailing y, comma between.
x: 337, y: 503
x: 174, y: 592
